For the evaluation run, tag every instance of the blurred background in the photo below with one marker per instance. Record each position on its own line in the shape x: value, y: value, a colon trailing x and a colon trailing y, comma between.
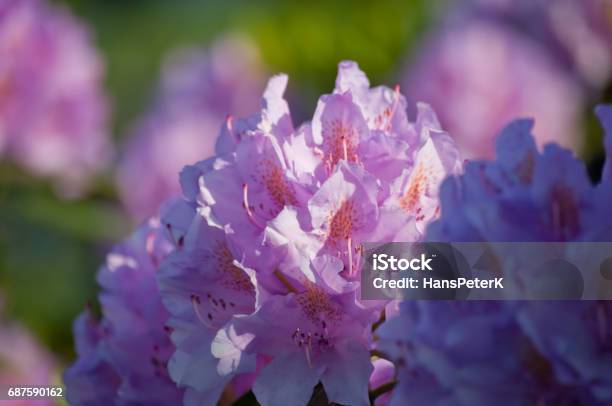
x: 103, y: 101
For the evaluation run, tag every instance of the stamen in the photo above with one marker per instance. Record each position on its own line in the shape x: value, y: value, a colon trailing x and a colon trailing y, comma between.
x: 345, y: 148
x: 328, y: 167
x: 349, y: 242
x: 278, y: 274
x: 229, y: 122
x: 150, y: 247
x: 564, y: 212
x: 394, y: 107
x: 307, y: 349
x: 245, y: 204
x: 358, y: 251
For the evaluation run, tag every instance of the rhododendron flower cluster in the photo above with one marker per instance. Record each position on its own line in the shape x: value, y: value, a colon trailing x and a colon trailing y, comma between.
x: 251, y: 281
x: 532, y: 352
x: 287, y: 209
x: 52, y: 107
x: 197, y: 92
x: 262, y: 255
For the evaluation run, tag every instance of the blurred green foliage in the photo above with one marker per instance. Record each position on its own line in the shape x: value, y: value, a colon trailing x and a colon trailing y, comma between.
x: 49, y: 253
x: 305, y: 39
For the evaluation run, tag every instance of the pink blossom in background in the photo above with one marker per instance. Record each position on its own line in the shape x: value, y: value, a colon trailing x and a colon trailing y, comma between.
x: 23, y: 360
x: 579, y: 33
x: 478, y: 75
x: 198, y: 91
x: 53, y: 112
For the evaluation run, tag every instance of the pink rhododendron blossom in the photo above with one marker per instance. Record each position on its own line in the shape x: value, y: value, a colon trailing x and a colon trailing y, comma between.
x: 317, y: 333
x: 202, y: 286
x: 264, y: 282
x: 479, y: 74
x: 53, y: 113
x: 23, y: 360
x: 577, y: 33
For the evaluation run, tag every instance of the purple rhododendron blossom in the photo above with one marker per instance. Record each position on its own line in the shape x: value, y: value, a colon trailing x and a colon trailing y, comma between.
x: 553, y: 205
x: 122, y: 358
x: 263, y: 284
x: 479, y: 74
x: 53, y: 112
x: 471, y: 353
x: 450, y: 352
x: 198, y: 91
x: 586, y: 330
